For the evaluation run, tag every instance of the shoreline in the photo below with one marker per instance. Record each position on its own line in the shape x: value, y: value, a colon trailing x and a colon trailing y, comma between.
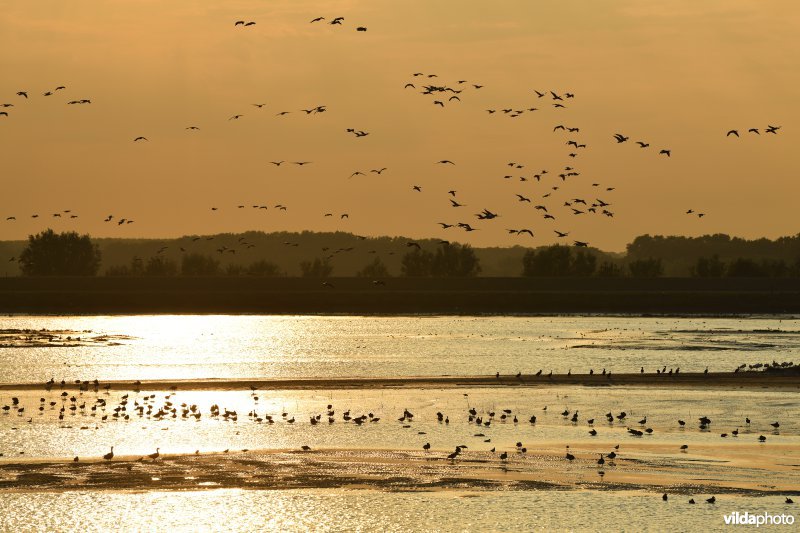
x: 405, y: 470
x: 782, y: 380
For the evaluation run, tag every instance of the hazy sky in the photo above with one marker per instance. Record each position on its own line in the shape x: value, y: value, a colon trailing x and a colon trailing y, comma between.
x: 676, y: 74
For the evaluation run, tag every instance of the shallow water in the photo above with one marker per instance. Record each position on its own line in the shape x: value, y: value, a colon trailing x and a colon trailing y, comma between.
x: 201, y: 347
x: 40, y: 434
x: 363, y: 510
x: 186, y: 346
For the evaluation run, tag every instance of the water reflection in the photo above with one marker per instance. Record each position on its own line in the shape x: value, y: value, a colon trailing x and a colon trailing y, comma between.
x: 188, y: 347
x: 363, y: 510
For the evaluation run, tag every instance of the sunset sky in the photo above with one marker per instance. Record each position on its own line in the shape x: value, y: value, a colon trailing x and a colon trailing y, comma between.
x: 675, y: 74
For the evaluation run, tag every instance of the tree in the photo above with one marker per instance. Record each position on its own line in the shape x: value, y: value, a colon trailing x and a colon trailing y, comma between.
x: 583, y: 264
x: 160, y: 266
x: 646, y: 268
x: 551, y: 261
x: 607, y: 269
x: 63, y: 254
x: 449, y: 261
x: 558, y: 260
x: 319, y: 268
x: 416, y: 263
x: 264, y: 268
x: 199, y: 265
x: 708, y: 267
x: 375, y: 269
x: 745, y: 268
x: 455, y: 261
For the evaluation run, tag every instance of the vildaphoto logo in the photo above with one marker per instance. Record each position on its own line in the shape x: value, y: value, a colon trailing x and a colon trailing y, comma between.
x: 764, y: 519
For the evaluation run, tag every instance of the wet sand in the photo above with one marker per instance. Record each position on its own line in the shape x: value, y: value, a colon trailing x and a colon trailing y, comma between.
x: 777, y: 380
x: 754, y: 470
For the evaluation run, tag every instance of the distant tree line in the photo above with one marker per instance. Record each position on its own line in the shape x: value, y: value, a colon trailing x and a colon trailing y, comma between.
x: 742, y: 267
x: 448, y: 261
x: 566, y: 261
x: 192, y: 265
x: 70, y: 254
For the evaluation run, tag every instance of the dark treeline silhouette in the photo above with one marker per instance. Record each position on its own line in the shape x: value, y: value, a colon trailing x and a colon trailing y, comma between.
x: 320, y: 255
x: 52, y: 254
x: 448, y: 261
x: 714, y: 255
x: 566, y: 261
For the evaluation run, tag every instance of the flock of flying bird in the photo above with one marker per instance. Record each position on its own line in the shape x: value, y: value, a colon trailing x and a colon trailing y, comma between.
x: 446, y: 94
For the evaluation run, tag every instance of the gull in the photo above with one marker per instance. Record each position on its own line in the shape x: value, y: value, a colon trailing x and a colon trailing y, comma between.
x: 540, y: 95
x: 581, y: 244
x: 411, y: 85
x: 417, y: 188
x: 732, y: 132
x: 259, y: 105
x: 301, y: 163
x: 192, y: 128
x: 642, y: 144
x: 561, y: 234
x: 357, y: 173
x: 337, y: 20
x: 456, y: 204
x: 445, y: 162
x: 753, y: 130
x: 277, y: 163
x: 665, y: 152
x: 770, y: 129
x: 23, y: 93
x: 378, y: 171
x: 524, y: 199
x: 140, y: 139
x: 529, y: 232
x: 236, y: 117
x: 317, y: 19
x: 620, y: 138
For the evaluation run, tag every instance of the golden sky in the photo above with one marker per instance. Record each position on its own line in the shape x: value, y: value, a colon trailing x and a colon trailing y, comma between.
x: 675, y: 74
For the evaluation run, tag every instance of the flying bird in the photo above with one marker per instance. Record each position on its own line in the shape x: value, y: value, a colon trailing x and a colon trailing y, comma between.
x: 140, y: 139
